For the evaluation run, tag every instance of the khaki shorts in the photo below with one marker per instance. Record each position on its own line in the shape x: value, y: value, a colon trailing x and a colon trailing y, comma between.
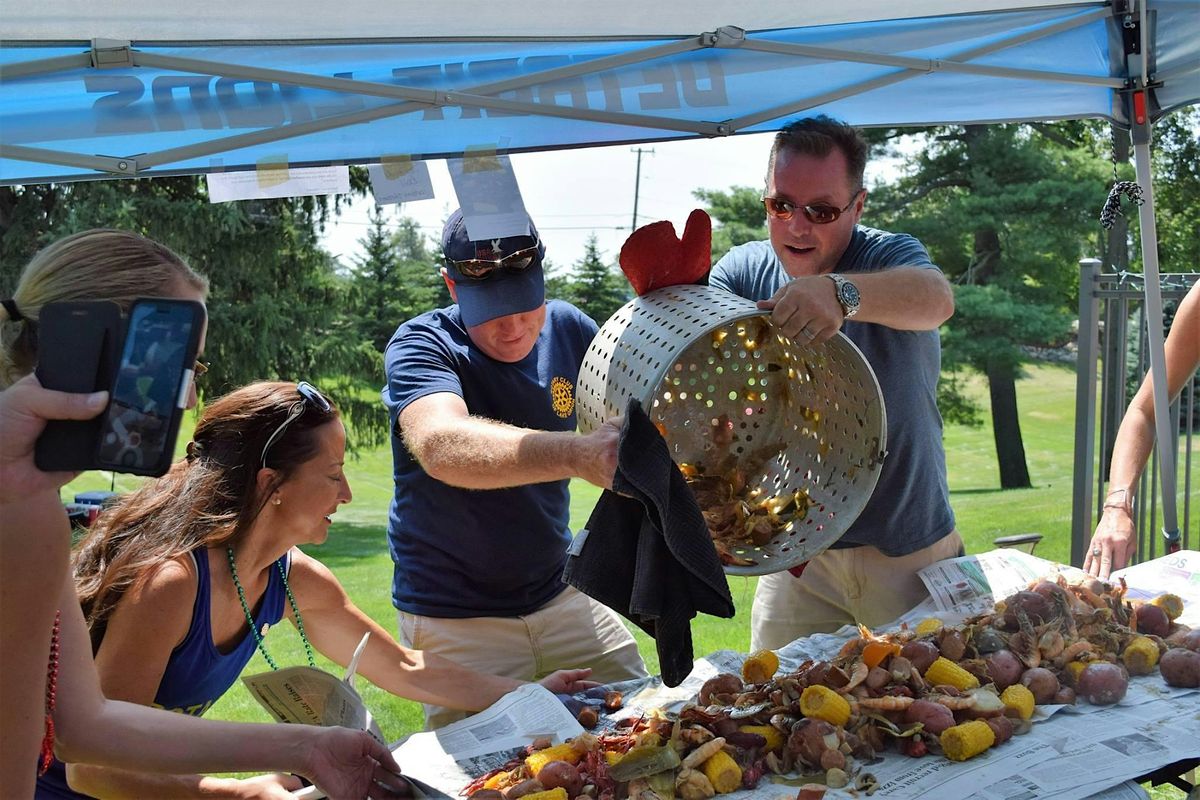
x: 572, y: 630
x: 840, y: 587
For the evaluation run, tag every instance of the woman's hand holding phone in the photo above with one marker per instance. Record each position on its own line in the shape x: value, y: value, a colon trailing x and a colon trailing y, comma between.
x: 25, y: 407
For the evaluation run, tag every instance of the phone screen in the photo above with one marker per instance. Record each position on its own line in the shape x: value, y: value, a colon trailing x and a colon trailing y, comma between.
x: 137, y: 427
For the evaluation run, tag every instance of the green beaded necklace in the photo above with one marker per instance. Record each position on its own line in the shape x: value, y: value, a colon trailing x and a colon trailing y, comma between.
x: 262, y: 648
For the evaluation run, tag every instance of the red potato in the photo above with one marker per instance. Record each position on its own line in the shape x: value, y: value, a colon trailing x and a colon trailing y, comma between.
x: 1064, y: 697
x: 920, y: 654
x: 934, y: 716
x: 1003, y: 668
x: 1002, y: 728
x: 952, y: 643
x: 561, y: 773
x: 722, y: 684
x: 1180, y: 667
x: 523, y: 788
x: 487, y: 794
x: 1042, y: 682
x: 1152, y: 620
x: 1191, y: 640
x: 1102, y: 683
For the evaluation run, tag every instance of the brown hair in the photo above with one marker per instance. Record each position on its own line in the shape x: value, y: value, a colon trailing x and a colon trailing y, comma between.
x: 819, y: 136
x: 99, y: 264
x: 209, y: 499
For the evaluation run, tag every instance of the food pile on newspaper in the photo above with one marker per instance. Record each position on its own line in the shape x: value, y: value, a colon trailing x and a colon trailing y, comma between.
x: 1063, y: 689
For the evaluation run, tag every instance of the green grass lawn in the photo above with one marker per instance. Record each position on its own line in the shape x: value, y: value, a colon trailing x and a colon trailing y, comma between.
x: 357, y: 546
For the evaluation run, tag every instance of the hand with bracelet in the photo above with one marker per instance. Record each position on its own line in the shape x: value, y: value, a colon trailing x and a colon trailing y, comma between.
x: 1115, y: 539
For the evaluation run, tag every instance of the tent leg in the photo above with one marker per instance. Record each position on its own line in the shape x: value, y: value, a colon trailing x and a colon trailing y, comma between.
x: 1154, y: 329
x: 1082, y: 524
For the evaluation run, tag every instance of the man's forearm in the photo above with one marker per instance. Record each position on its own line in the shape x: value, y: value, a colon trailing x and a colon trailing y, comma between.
x: 904, y: 298
x: 478, y: 453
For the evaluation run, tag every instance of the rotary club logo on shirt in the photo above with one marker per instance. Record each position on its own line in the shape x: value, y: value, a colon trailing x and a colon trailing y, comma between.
x: 562, y: 396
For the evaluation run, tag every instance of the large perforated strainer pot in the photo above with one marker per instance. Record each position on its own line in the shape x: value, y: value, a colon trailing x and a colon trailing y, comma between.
x: 807, y: 421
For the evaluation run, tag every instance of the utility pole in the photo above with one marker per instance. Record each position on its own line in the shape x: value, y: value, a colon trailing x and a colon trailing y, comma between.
x: 637, y: 182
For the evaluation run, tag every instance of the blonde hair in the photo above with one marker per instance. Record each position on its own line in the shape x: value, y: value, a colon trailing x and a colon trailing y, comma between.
x: 99, y: 264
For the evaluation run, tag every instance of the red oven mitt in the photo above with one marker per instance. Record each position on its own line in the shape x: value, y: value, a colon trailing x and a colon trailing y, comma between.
x: 653, y: 256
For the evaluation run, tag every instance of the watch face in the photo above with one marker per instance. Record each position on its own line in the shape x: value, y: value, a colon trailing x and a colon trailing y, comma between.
x: 849, y: 293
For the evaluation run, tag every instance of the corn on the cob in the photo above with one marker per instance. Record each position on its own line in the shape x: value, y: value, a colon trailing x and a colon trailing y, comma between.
x: 944, y: 671
x: 1140, y: 656
x: 557, y: 793
x: 1172, y: 604
x: 969, y: 739
x: 1020, y: 698
x: 928, y: 625
x: 821, y: 702
x: 722, y: 772
x: 559, y: 752
x: 772, y: 734
x: 759, y: 667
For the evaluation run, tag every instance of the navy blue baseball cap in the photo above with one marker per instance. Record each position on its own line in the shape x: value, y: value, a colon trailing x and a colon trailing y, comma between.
x: 493, y: 277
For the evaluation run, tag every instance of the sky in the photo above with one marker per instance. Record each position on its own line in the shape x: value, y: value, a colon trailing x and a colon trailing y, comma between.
x: 573, y: 193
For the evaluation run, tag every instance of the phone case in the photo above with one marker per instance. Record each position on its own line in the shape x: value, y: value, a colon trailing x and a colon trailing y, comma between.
x: 174, y: 394
x: 78, y: 343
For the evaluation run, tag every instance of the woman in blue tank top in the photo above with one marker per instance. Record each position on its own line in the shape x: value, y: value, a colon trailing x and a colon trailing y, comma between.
x: 182, y: 580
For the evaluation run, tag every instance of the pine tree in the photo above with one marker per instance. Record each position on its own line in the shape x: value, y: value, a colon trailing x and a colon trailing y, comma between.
x: 594, y: 286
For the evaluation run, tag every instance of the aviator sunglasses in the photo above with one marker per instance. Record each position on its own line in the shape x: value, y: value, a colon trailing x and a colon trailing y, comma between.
x: 817, y: 213
x: 309, y: 395
x: 480, y: 269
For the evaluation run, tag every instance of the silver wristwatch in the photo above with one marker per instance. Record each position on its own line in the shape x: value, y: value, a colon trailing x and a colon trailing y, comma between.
x: 847, y: 294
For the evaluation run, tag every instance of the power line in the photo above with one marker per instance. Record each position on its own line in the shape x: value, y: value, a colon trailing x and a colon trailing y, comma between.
x: 637, y: 181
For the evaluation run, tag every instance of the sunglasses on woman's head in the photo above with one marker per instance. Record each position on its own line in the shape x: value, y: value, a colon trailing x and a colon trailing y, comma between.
x: 309, y: 395
x: 817, y: 213
x: 479, y: 269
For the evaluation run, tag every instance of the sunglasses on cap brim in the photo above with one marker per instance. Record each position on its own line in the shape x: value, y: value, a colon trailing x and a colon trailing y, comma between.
x: 478, y: 269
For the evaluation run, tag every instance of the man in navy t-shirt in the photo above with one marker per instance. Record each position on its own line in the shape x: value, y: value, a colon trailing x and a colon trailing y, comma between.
x: 819, y: 273
x: 481, y: 398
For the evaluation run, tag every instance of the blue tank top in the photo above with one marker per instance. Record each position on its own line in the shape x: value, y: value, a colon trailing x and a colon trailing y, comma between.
x: 197, y: 673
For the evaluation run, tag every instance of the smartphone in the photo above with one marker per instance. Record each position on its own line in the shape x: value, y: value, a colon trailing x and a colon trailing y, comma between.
x: 150, y: 387
x: 77, y: 352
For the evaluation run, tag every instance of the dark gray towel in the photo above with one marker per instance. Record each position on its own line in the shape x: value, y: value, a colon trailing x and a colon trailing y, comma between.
x: 646, y: 552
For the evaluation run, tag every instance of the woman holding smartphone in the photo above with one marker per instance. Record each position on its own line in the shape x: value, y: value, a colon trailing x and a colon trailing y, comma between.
x: 50, y: 696
x: 182, y: 579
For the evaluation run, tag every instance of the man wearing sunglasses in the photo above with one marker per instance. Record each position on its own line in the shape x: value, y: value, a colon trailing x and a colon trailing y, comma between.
x: 822, y: 272
x: 481, y: 401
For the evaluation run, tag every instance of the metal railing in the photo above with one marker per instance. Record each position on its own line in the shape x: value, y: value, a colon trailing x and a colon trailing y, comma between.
x: 1112, y: 359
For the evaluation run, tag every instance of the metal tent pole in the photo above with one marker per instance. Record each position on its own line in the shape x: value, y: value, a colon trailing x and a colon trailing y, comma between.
x: 1085, y: 410
x: 1154, y: 330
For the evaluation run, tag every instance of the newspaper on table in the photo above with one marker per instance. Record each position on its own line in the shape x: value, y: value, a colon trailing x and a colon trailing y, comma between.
x: 970, y: 585
x: 1178, y: 573
x: 451, y: 757
x: 311, y: 696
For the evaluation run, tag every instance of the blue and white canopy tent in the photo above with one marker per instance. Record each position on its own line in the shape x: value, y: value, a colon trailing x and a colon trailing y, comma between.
x: 127, y: 88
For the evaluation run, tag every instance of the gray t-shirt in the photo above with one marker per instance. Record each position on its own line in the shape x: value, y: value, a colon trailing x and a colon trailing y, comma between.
x: 910, y: 508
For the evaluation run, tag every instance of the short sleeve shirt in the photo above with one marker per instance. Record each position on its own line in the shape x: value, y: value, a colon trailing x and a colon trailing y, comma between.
x: 469, y: 552
x: 910, y: 507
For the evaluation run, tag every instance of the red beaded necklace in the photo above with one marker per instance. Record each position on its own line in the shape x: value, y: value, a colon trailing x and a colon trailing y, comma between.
x: 51, y: 692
